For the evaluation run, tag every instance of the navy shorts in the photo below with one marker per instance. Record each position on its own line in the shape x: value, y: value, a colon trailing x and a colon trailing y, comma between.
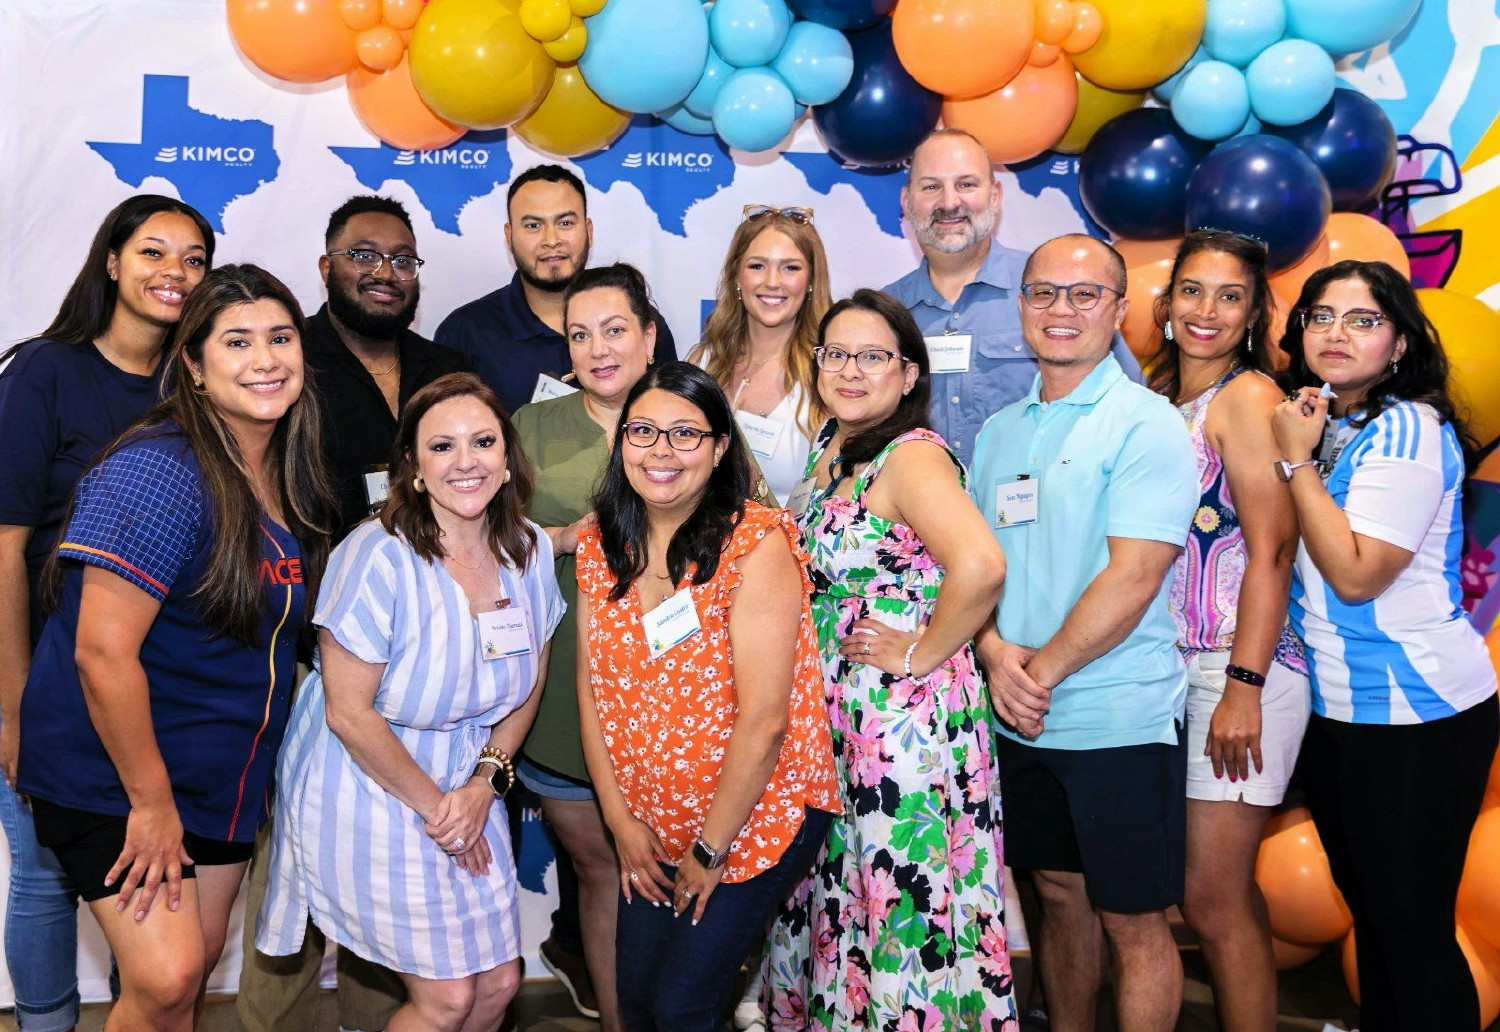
x: 1118, y: 816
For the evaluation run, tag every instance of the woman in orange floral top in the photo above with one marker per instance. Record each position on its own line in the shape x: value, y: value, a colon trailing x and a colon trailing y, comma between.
x: 701, y: 699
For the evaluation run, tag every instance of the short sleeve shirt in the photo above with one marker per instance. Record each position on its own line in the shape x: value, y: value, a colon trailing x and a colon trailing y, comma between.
x: 218, y: 706
x: 1110, y: 460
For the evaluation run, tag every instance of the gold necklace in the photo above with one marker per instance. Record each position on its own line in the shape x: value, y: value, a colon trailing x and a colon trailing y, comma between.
x: 477, y: 566
x: 384, y: 372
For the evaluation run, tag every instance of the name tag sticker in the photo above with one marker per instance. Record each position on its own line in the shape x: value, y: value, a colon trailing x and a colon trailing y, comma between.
x: 504, y: 633
x: 377, y: 484
x: 761, y: 434
x: 671, y: 623
x: 1018, y: 501
x: 548, y: 387
x: 949, y: 352
x: 800, y: 497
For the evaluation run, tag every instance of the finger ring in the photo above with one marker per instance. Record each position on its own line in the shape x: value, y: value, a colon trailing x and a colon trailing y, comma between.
x: 867, y: 648
x: 458, y: 843
x: 1294, y: 396
x: 634, y: 877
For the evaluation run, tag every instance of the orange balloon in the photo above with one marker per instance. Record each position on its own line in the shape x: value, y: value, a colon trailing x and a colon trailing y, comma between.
x: 1024, y: 117
x: 1479, y: 892
x: 295, y: 40
x: 1292, y: 871
x: 1356, y: 236
x: 1290, y: 955
x: 996, y: 35
x: 1281, y: 311
x: 1088, y: 26
x: 388, y: 105
x: 401, y: 14
x: 1139, y: 252
x: 1288, y: 282
x: 1043, y: 54
x: 380, y: 49
x: 1143, y: 284
x: 360, y: 14
x: 1054, y: 21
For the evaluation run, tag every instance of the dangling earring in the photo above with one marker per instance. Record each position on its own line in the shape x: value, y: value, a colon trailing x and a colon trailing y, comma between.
x: 418, y: 485
x: 1166, y: 330
x: 737, y: 293
x: 1395, y: 367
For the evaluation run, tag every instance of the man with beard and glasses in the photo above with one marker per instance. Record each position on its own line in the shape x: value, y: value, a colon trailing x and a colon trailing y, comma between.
x: 963, y: 295
x: 367, y: 362
x: 514, y: 335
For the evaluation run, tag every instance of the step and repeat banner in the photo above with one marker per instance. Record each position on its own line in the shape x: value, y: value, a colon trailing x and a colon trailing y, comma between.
x: 106, y: 98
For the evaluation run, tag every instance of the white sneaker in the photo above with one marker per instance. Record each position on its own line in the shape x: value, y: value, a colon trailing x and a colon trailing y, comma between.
x: 748, y: 1017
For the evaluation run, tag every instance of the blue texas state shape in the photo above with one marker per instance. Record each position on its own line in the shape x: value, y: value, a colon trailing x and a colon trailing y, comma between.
x: 212, y: 161
x: 446, y: 180
x: 672, y: 170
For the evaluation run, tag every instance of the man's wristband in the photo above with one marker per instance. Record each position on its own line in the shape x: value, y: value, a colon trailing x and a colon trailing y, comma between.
x: 1245, y: 676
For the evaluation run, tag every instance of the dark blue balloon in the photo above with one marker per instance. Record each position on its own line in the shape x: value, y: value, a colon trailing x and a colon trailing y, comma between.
x: 1263, y: 187
x: 1353, y: 144
x: 1133, y: 174
x: 843, y: 14
x: 883, y: 113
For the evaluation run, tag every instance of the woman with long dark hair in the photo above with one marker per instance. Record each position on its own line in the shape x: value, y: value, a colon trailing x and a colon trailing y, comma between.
x: 64, y: 395
x: 1405, y: 723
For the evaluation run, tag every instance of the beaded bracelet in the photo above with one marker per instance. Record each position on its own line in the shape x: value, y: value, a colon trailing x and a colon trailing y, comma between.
x: 490, y: 756
x: 906, y: 661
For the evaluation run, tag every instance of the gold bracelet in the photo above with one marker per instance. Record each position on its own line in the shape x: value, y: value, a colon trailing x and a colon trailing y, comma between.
x: 489, y: 755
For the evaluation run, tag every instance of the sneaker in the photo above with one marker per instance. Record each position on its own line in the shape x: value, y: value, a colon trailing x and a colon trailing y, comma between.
x: 748, y: 1017
x: 573, y: 973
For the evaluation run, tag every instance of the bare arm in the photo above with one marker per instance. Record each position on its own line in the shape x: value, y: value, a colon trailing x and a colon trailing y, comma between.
x: 15, y: 642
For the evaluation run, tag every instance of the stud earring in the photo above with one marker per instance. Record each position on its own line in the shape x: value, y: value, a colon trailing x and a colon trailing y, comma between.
x: 417, y: 484
x: 507, y: 477
x: 1166, y: 330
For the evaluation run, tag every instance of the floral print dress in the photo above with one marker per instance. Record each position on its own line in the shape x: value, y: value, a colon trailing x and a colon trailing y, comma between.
x: 901, y: 926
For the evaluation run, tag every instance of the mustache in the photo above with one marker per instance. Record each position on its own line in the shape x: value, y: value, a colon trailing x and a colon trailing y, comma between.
x: 947, y: 213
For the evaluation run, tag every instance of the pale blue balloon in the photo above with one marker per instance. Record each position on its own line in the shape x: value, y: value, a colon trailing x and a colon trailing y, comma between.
x: 1348, y: 26
x: 1238, y: 30
x: 1290, y: 82
x: 1163, y: 90
x: 1252, y: 127
x: 1212, y: 101
x: 816, y: 62
x: 754, y: 110
x: 715, y: 70
x: 683, y: 120
x: 645, y: 55
x: 749, y: 33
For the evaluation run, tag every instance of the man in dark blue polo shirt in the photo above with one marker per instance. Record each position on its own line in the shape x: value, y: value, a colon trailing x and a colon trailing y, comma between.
x: 514, y: 335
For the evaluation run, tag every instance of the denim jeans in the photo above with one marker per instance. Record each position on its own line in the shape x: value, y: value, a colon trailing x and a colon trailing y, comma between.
x: 41, y: 925
x: 675, y: 977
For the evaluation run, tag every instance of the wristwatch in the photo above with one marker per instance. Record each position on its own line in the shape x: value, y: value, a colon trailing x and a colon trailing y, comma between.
x: 1285, y: 469
x: 705, y: 855
x: 495, y: 767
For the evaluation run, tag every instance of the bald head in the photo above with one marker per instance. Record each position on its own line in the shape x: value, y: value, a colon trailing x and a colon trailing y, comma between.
x: 1082, y: 248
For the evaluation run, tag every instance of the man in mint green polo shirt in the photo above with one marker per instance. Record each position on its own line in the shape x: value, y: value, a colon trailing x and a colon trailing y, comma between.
x: 1089, y: 484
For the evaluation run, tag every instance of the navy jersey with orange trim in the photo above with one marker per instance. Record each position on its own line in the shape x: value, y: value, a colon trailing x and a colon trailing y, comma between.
x: 218, y: 706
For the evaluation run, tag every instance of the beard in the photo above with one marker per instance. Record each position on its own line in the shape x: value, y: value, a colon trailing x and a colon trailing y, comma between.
x: 980, y: 225
x: 555, y: 285
x: 343, y: 303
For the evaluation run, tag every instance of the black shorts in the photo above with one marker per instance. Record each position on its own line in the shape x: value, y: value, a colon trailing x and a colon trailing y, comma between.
x: 1118, y: 816
x: 88, y: 844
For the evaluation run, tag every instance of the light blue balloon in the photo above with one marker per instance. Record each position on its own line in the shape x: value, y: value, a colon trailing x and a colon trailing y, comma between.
x: 1252, y: 127
x: 1348, y: 26
x: 1163, y: 90
x: 645, y: 55
x: 683, y: 120
x: 754, y: 110
x: 1290, y: 82
x: 816, y: 62
x: 1212, y: 101
x: 1238, y: 30
x: 715, y: 70
x: 748, y: 33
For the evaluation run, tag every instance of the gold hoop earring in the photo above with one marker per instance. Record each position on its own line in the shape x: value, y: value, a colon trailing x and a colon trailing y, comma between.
x: 417, y: 484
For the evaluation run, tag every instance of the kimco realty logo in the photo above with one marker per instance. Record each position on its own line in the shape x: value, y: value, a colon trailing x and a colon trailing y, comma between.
x: 463, y: 157
x: 701, y: 161
x: 240, y: 157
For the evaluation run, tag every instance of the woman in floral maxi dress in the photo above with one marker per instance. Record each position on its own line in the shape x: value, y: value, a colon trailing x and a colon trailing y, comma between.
x: 901, y: 925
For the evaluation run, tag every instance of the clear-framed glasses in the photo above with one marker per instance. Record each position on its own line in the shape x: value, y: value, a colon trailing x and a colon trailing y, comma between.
x: 797, y: 213
x: 832, y: 358
x: 403, y: 266
x: 681, y: 438
x: 1082, y: 296
x: 1257, y: 241
x: 1358, y: 322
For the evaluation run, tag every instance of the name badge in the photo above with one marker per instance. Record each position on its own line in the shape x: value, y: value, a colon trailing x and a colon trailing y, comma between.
x: 671, y: 623
x: 801, y: 495
x: 377, y: 484
x: 1017, y: 502
x: 761, y: 434
x: 548, y: 387
x: 504, y: 633
x: 949, y: 352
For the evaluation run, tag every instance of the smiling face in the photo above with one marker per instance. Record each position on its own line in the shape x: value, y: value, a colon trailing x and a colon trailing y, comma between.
x: 1351, y: 363
x: 548, y: 235
x: 609, y: 347
x: 378, y: 305
x: 859, y: 399
x: 252, y: 365
x: 670, y: 482
x: 461, y: 458
x: 1061, y: 335
x: 156, y: 269
x: 1210, y: 305
x: 773, y: 278
x: 951, y: 197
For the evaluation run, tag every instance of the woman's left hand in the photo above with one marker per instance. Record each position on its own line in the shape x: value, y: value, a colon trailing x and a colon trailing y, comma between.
x: 694, y: 884
x: 458, y: 822
x: 878, y: 645
x: 1298, y: 423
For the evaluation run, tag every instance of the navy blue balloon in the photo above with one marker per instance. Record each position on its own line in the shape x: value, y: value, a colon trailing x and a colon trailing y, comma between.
x: 1353, y: 144
x: 1133, y: 174
x: 883, y: 113
x: 843, y: 14
x: 1264, y: 187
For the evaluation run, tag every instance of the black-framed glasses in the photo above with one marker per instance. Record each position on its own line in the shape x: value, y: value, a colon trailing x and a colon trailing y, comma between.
x: 1358, y: 322
x: 681, y: 438
x: 798, y: 213
x: 368, y: 262
x: 1082, y: 296
x: 831, y: 359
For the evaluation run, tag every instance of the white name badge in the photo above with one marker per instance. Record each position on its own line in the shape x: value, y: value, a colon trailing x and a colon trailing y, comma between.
x: 377, y: 485
x: 548, y: 387
x: 671, y: 623
x: 801, y: 495
x: 761, y: 434
x: 503, y: 633
x: 949, y: 352
x: 1017, y: 502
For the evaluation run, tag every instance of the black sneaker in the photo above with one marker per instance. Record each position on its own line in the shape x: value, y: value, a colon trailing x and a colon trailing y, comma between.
x: 573, y: 973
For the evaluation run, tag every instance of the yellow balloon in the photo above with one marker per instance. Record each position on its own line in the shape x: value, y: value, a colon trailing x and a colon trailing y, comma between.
x: 1469, y: 329
x: 1143, y: 42
x: 474, y: 64
x: 1096, y: 105
x: 586, y: 8
x: 545, y: 20
x: 569, y: 46
x: 572, y: 120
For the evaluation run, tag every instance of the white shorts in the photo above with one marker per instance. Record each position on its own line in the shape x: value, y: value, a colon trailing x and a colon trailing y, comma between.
x: 1285, y: 703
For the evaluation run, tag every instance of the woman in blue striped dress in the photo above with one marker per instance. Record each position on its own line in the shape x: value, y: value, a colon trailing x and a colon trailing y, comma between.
x: 433, y: 634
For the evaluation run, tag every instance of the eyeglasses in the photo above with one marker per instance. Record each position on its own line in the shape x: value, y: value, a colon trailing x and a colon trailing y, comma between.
x: 1358, y: 322
x: 1257, y: 241
x: 403, y: 266
x: 872, y: 360
x: 798, y: 214
x: 681, y: 438
x: 1082, y: 296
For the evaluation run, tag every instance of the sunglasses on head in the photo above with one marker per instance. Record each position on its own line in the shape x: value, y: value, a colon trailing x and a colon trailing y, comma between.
x: 797, y: 213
